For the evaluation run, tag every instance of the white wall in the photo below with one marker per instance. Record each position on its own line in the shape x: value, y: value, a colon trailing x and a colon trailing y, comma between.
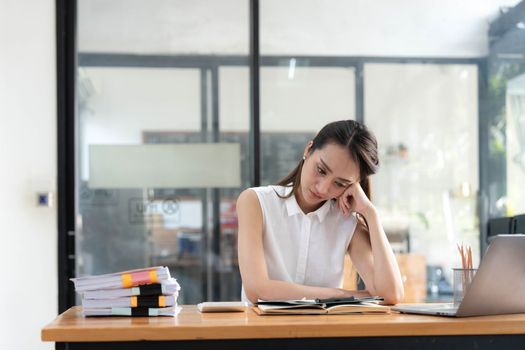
x: 28, y: 234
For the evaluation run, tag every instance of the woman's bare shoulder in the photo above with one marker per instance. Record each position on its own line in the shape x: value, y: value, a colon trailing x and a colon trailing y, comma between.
x: 247, y: 196
x: 249, y: 212
x: 248, y: 201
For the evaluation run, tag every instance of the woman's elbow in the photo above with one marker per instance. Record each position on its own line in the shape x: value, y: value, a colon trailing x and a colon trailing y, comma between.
x: 257, y: 291
x: 251, y: 297
x: 396, y: 295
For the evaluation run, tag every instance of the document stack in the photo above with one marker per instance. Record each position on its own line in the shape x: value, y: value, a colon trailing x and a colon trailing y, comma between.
x: 142, y: 292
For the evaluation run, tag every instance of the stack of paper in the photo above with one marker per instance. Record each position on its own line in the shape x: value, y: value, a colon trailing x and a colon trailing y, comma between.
x: 143, y: 292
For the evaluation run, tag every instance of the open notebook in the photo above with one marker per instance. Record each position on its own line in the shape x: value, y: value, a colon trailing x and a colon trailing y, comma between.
x: 318, y: 307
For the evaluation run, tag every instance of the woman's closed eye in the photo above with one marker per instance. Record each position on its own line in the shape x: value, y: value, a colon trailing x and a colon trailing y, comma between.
x: 338, y: 184
x: 321, y: 171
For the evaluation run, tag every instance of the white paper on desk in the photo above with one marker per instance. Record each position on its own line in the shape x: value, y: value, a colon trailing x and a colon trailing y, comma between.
x: 169, y: 287
x: 170, y: 300
x: 114, y: 280
x: 127, y: 311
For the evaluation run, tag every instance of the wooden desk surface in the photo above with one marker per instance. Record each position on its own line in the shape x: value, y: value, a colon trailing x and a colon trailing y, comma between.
x: 190, y: 324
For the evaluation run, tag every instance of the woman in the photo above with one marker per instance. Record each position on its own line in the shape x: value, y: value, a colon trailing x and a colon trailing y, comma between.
x: 293, y: 237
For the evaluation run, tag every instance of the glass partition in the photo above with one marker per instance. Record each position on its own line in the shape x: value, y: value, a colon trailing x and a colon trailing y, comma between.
x: 425, y: 117
x: 173, y: 72
x: 297, y: 100
x: 143, y: 86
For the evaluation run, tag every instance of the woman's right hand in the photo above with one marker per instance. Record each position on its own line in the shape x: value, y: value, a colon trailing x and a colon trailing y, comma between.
x: 354, y: 199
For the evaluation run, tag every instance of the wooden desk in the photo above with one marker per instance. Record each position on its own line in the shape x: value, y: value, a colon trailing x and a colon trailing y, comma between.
x: 193, y: 330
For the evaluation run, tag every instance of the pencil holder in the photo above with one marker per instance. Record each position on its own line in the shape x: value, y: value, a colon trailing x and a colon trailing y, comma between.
x: 462, y: 280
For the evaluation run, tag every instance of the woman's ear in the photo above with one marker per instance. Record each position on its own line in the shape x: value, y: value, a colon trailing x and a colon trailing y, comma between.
x: 308, y: 148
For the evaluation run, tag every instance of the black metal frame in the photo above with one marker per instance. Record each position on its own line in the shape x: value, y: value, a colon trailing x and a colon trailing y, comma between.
x: 66, y: 70
x: 255, y: 144
x: 215, y: 193
x: 204, y: 196
x: 483, y: 149
x: 66, y: 53
x: 89, y: 59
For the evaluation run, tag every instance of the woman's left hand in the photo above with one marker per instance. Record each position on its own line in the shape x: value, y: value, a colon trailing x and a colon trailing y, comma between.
x: 354, y: 199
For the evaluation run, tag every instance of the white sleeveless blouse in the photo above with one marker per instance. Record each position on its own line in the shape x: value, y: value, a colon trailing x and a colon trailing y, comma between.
x: 301, y: 248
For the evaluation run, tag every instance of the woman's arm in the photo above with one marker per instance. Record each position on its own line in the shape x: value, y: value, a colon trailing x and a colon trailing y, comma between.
x: 370, y: 250
x: 252, y: 263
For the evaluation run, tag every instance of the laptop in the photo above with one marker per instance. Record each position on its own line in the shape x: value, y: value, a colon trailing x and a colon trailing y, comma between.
x: 496, y: 289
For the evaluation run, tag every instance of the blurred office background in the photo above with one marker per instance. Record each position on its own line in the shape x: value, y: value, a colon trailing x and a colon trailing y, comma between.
x: 442, y: 86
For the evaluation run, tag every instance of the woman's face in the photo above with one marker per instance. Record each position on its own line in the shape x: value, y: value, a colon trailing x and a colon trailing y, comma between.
x: 326, y: 173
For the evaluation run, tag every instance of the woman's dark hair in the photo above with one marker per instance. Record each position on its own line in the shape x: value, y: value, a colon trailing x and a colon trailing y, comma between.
x: 360, y: 142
